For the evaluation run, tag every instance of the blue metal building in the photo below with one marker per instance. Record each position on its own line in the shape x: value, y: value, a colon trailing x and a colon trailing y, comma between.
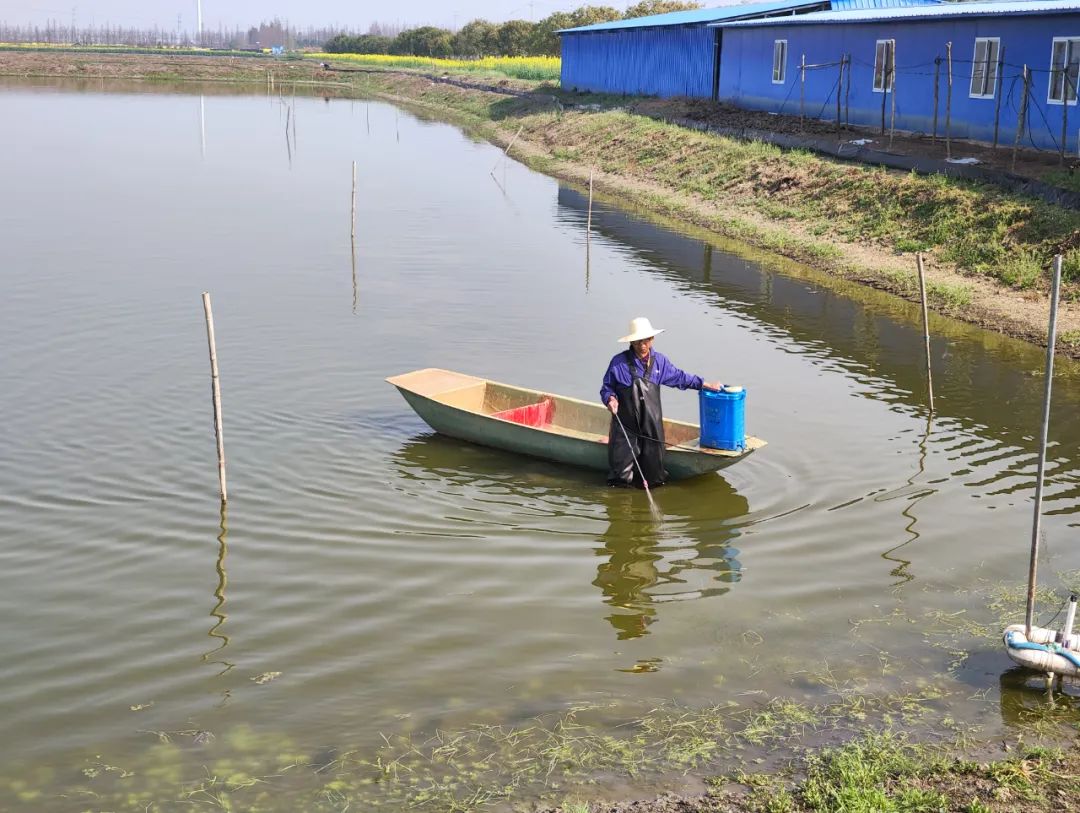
x: 897, y: 57
x: 660, y: 55
x: 676, y: 54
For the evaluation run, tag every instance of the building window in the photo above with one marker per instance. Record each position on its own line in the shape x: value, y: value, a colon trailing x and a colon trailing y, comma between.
x: 779, y: 61
x: 984, y: 68
x: 1064, y: 69
x: 884, y: 66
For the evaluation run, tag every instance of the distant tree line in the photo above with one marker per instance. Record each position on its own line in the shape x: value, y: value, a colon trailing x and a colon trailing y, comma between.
x: 264, y: 35
x: 481, y: 38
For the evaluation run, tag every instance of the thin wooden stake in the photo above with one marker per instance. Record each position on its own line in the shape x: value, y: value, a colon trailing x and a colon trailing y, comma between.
x: 216, y: 389
x: 1021, y: 118
x: 1051, y: 339
x: 588, y: 222
x: 1066, y: 86
x: 892, y: 102
x: 847, y: 95
x: 506, y: 152
x: 997, y: 94
x: 926, y: 329
x: 352, y: 220
x: 937, y: 84
x: 802, y: 91
x: 948, y: 104
x: 839, y: 88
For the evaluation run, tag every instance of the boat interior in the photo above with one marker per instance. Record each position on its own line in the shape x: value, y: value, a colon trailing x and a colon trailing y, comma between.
x: 555, y: 413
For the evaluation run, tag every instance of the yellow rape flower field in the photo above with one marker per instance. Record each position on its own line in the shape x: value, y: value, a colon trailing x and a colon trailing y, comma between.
x: 539, y: 68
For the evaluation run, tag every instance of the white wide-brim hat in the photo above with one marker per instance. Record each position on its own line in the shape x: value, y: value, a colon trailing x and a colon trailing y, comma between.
x: 641, y: 328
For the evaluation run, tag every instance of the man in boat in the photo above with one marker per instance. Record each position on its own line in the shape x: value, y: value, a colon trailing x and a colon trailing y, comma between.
x: 631, y: 390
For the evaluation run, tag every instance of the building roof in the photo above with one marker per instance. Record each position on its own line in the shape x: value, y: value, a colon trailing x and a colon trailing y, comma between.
x: 987, y: 8
x: 701, y: 15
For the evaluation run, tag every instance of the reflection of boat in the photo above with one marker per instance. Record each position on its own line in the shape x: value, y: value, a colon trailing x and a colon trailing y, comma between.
x: 534, y: 423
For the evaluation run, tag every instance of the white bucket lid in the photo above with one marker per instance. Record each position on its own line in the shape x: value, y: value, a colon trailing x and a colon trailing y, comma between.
x: 732, y: 388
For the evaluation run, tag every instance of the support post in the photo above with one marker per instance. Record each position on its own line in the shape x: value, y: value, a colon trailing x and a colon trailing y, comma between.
x: 892, y: 103
x: 1066, y: 86
x: 839, y: 89
x: 215, y: 386
x: 802, y: 92
x: 926, y: 329
x: 997, y: 94
x: 1051, y: 337
x: 937, y: 85
x: 352, y: 219
x: 1021, y: 118
x: 847, y: 95
x: 948, y: 104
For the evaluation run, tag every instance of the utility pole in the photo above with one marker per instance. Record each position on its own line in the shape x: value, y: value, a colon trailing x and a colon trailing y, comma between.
x: 198, y: 40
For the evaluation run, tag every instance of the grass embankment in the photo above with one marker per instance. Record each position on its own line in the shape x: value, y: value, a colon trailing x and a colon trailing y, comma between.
x: 988, y: 250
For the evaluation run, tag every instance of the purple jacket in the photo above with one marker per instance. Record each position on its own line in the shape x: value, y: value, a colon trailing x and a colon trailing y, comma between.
x: 663, y: 372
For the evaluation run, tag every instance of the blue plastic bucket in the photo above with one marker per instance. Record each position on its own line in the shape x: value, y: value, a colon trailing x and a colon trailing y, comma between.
x: 723, y: 419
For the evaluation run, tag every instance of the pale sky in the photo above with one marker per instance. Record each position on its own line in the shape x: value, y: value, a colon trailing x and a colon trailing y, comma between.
x: 357, y: 14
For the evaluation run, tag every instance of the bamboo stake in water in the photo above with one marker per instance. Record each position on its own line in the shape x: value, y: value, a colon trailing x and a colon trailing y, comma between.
x: 588, y: 232
x: 926, y: 329
x: 588, y: 222
x: 352, y: 222
x: 216, y: 389
x: 507, y: 150
x: 1051, y: 338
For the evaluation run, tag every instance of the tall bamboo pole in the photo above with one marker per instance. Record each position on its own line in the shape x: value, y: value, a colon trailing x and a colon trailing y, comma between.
x: 216, y: 390
x: 926, y: 329
x: 1051, y: 338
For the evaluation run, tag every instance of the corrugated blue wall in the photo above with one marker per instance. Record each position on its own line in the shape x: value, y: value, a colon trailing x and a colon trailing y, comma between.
x: 669, y: 61
x: 746, y: 73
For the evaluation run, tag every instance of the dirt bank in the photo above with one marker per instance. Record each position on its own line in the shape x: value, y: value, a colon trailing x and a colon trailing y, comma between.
x: 987, y: 250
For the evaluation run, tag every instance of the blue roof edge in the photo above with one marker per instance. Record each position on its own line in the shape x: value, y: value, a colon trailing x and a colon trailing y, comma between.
x: 696, y: 16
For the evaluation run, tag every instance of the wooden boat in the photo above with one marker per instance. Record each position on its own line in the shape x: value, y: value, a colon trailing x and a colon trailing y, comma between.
x: 553, y: 427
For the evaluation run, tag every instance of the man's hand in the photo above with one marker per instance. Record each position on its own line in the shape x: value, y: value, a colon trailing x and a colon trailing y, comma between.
x: 711, y: 385
x: 613, y: 405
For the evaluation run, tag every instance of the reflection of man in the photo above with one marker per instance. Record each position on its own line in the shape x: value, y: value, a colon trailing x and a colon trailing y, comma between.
x: 642, y: 569
x: 631, y: 391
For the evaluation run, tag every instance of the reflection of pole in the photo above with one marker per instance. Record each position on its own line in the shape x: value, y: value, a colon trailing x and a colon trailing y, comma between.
x: 1051, y: 337
x: 926, y: 329
x: 216, y: 390
x: 202, y: 123
x: 354, y: 291
x: 588, y: 232
x: 352, y: 221
x: 223, y: 580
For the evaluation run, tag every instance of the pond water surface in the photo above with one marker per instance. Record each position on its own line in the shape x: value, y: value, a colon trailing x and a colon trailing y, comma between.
x: 401, y: 582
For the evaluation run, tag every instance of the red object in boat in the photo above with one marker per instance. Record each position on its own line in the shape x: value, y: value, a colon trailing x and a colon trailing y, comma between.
x: 536, y: 415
